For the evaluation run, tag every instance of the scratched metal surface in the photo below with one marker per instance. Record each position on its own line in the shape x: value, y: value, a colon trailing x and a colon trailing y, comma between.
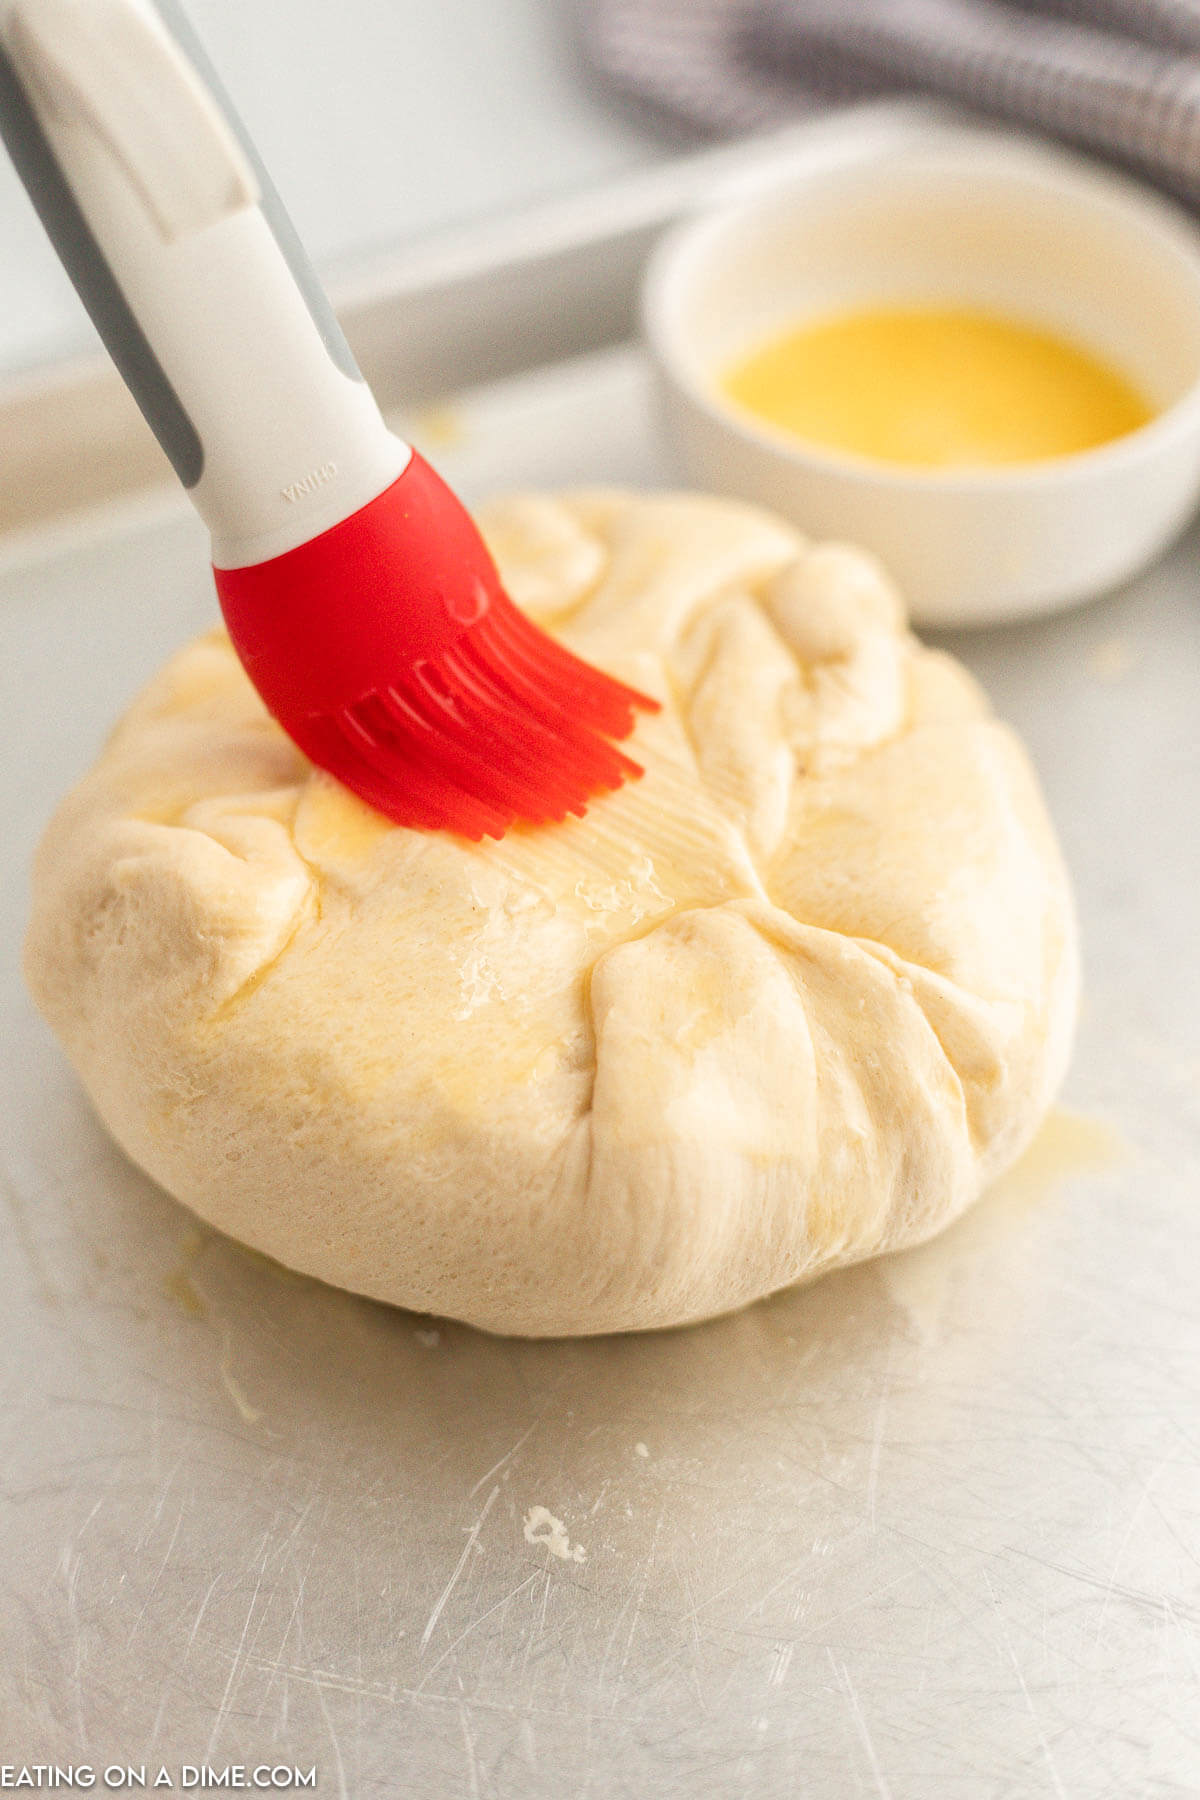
x: 931, y: 1527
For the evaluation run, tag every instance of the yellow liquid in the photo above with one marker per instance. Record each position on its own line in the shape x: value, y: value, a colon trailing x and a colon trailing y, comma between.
x: 936, y: 387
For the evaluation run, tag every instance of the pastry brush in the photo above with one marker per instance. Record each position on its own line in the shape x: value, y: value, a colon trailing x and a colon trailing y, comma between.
x: 357, y: 592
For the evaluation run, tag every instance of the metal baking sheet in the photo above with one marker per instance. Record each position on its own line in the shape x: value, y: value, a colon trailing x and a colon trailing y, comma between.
x: 930, y: 1527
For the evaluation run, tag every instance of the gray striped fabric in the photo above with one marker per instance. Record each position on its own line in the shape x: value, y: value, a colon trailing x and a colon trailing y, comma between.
x: 1120, y: 77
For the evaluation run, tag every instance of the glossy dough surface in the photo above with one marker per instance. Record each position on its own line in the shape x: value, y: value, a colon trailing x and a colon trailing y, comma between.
x: 789, y: 1001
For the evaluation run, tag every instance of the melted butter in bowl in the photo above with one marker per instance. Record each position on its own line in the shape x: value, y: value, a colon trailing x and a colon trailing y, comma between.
x: 974, y: 355
x: 935, y: 387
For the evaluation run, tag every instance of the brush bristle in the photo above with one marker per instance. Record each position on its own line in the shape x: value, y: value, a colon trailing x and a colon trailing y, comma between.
x: 505, y: 725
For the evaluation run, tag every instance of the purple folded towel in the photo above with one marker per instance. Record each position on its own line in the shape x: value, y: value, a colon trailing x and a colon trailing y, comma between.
x: 1120, y: 77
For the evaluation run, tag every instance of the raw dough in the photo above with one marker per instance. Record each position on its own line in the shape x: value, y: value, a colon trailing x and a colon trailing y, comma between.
x: 790, y: 1000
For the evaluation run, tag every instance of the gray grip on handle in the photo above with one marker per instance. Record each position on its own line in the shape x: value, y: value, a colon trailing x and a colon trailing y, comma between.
x: 93, y: 279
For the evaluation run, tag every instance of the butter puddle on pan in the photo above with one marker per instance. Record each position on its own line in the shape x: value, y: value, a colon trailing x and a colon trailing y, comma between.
x: 180, y: 1285
x: 1068, y: 1146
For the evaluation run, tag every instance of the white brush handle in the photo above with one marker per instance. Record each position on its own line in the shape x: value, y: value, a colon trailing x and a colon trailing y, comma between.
x: 171, y: 230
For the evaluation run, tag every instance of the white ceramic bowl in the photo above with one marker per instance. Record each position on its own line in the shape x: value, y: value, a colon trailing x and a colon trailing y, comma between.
x: 951, y: 215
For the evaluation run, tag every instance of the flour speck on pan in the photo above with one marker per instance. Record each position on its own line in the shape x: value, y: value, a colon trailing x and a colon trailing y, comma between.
x: 541, y: 1527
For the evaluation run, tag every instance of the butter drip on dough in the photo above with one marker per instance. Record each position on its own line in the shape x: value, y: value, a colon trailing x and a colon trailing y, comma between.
x: 790, y: 1000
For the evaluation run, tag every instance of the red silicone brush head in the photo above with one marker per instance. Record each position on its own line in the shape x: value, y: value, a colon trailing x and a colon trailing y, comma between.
x: 389, y: 652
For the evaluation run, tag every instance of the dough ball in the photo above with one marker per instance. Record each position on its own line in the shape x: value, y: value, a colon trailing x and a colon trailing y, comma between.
x: 789, y: 1001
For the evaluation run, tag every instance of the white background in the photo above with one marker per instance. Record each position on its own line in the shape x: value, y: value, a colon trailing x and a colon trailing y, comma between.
x: 380, y: 121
